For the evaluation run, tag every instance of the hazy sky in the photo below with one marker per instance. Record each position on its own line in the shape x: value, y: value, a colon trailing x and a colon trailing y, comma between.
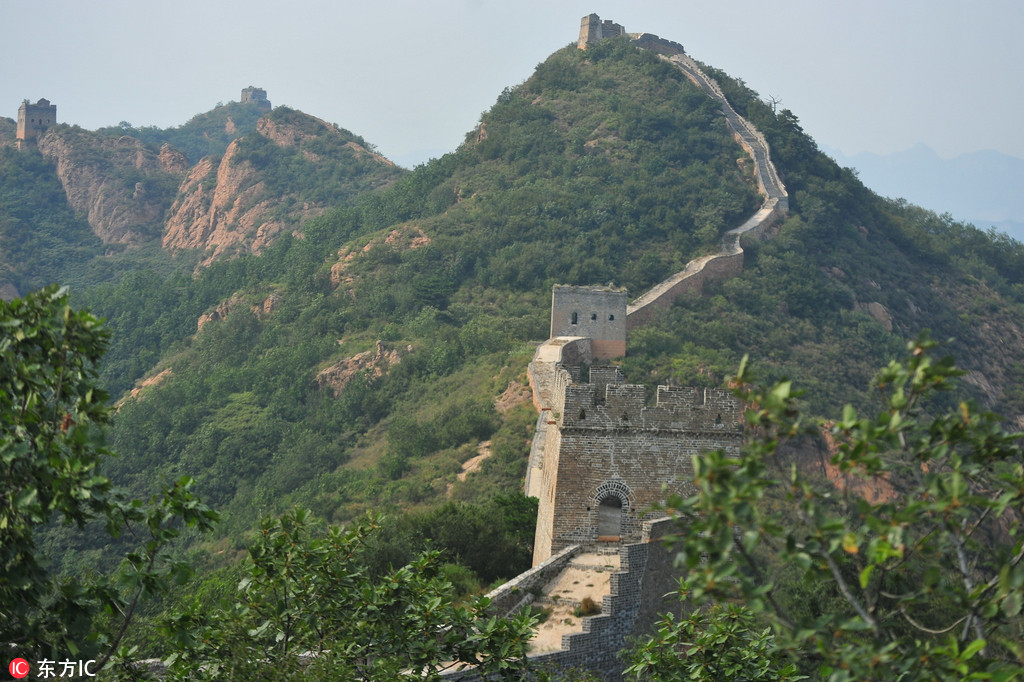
x: 414, y: 76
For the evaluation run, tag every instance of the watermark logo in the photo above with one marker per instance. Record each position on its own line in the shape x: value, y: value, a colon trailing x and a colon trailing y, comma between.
x: 18, y: 668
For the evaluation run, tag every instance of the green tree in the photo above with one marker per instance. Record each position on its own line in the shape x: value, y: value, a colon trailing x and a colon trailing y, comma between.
x: 51, y: 449
x: 308, y: 605
x: 721, y: 643
x: 923, y: 583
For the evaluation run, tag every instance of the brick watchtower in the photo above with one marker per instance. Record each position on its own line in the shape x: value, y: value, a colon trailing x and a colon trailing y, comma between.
x: 257, y: 97
x: 608, y: 457
x: 33, y: 120
x: 592, y: 29
x: 597, y: 313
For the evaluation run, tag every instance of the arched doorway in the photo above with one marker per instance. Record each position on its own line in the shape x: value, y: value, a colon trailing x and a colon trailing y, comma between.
x: 609, y: 519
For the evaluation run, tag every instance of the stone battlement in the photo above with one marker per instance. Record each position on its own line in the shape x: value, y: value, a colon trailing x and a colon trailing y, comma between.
x: 605, y: 404
x: 592, y: 29
x: 596, y: 313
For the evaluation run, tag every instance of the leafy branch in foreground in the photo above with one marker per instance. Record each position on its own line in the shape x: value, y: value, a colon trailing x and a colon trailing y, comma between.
x: 721, y: 643
x: 920, y: 580
x: 51, y: 449
x: 310, y: 607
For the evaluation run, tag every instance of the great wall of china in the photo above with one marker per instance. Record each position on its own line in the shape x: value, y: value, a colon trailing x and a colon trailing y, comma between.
x: 589, y: 424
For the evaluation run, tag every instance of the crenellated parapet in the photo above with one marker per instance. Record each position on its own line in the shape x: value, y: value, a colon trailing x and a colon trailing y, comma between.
x: 592, y: 29
x: 614, y: 405
x: 609, y: 457
x: 604, y: 455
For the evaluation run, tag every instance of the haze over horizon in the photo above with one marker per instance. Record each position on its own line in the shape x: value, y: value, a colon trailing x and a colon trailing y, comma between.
x: 413, y: 78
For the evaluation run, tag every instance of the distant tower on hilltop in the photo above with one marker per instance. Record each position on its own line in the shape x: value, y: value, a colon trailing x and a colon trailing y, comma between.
x: 33, y: 120
x: 256, y: 96
x: 592, y: 29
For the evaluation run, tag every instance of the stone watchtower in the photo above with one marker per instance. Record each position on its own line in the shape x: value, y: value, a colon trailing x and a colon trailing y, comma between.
x: 596, y: 313
x: 608, y: 457
x: 33, y: 120
x: 257, y: 97
x: 592, y: 29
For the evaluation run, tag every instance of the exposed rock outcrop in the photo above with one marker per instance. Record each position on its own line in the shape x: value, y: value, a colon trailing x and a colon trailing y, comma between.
x: 261, y: 310
x: 376, y: 361
x: 879, y: 312
x: 219, y: 208
x: 173, y: 161
x: 121, y: 186
x: 253, y: 194
x: 141, y: 386
x: 401, y: 238
x: 219, y: 313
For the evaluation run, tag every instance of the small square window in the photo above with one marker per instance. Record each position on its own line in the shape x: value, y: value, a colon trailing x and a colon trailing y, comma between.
x: 611, y: 318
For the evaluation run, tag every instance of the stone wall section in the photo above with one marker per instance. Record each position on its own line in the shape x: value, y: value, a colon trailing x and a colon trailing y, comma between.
x: 647, y: 574
x: 599, y: 439
x: 592, y: 29
x: 553, y: 353
x: 729, y: 261
x: 34, y: 120
x: 518, y: 593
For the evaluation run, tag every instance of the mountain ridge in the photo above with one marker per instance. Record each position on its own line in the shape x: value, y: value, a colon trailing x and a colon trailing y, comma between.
x: 605, y: 165
x: 979, y: 187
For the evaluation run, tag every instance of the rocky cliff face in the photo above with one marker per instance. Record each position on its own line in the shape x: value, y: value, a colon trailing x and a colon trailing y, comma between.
x: 120, y: 185
x: 293, y: 168
x: 219, y: 208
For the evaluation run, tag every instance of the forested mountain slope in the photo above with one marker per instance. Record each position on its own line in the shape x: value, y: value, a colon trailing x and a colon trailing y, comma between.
x: 361, y: 360
x: 608, y: 166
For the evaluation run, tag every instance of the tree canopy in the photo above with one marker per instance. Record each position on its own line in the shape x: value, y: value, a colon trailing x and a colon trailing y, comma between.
x: 906, y: 565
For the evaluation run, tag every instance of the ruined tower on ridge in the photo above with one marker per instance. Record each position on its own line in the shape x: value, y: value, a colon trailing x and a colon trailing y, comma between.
x: 592, y: 29
x: 256, y: 97
x: 33, y: 121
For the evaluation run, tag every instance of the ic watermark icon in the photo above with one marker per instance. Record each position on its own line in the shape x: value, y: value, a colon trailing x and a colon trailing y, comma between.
x: 18, y: 668
x: 47, y: 669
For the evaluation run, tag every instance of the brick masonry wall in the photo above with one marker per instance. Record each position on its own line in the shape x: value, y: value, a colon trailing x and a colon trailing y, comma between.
x: 597, y: 313
x: 636, y: 600
x: 33, y: 119
x: 602, y: 442
x: 518, y: 592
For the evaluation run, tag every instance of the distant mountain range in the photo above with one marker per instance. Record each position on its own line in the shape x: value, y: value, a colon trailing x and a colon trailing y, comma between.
x: 983, y: 188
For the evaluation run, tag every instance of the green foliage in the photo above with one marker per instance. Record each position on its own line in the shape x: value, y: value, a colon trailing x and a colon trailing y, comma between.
x: 721, y: 643
x: 309, y: 607
x: 43, y: 241
x: 607, y: 165
x: 325, y: 166
x: 203, y: 135
x: 51, y: 450
x: 924, y: 582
